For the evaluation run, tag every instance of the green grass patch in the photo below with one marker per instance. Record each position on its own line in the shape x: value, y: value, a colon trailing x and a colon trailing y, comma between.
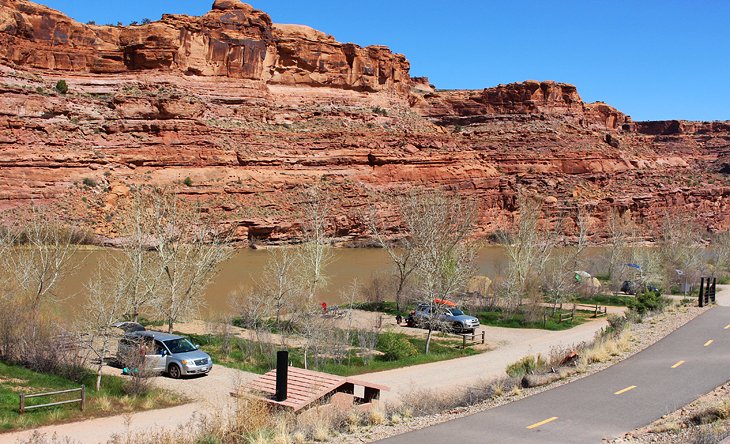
x: 387, y: 307
x: 249, y: 356
x: 499, y: 318
x: 110, y: 400
x: 606, y: 299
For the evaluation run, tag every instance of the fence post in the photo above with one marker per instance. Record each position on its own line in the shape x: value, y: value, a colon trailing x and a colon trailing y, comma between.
x: 463, y: 345
x: 22, y: 403
x: 702, y: 292
x: 83, y: 397
x: 483, y: 332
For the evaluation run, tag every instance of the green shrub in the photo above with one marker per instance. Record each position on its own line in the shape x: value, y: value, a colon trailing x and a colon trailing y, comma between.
x: 647, y: 302
x: 526, y: 366
x: 62, y: 86
x: 395, y: 346
x: 91, y: 183
x: 617, y: 322
x: 188, y: 182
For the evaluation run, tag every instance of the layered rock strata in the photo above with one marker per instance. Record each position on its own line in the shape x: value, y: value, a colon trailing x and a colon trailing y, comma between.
x: 243, y: 115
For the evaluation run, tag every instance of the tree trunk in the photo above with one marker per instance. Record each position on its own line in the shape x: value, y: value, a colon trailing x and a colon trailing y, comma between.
x: 100, y: 368
x: 170, y: 323
x: 398, y: 295
x: 428, y: 338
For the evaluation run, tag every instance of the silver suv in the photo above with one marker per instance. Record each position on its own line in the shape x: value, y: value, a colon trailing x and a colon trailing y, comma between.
x: 451, y: 317
x: 163, y: 353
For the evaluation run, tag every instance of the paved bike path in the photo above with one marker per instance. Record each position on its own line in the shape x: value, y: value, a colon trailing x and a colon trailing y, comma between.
x: 690, y: 362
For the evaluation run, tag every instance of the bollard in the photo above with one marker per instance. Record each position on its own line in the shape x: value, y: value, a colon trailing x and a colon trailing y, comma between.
x: 714, y: 290
x: 702, y: 292
x: 282, y: 375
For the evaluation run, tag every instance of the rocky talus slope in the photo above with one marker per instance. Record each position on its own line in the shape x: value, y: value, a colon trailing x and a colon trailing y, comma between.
x: 254, y: 112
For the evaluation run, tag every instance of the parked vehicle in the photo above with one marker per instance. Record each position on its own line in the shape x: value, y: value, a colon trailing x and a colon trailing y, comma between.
x: 163, y: 352
x: 633, y: 287
x: 444, y: 315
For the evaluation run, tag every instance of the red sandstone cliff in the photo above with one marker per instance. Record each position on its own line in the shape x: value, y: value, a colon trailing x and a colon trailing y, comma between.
x: 253, y: 112
x: 233, y: 40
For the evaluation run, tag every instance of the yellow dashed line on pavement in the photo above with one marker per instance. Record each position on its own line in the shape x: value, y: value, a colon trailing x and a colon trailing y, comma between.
x: 678, y: 364
x: 627, y: 389
x: 709, y: 343
x: 727, y: 327
x: 542, y: 423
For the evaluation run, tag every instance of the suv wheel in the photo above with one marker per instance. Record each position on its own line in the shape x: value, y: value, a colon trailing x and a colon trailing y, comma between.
x: 457, y: 328
x: 174, y: 371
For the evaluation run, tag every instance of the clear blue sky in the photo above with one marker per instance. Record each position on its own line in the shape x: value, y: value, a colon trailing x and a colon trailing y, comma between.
x: 653, y: 59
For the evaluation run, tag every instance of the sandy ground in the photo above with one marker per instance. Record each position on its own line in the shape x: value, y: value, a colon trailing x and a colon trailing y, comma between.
x: 211, y: 393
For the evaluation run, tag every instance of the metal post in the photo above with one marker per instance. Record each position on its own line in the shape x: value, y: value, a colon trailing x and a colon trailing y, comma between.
x: 22, y: 403
x: 714, y: 290
x: 702, y: 292
x: 707, y: 291
x: 483, y: 332
x: 282, y: 375
x: 83, y: 397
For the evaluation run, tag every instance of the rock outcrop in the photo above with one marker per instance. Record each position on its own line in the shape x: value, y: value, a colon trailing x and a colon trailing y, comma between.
x: 243, y: 115
x: 232, y: 40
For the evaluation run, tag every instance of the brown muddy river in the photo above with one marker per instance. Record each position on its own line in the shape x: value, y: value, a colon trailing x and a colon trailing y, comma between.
x: 245, y: 267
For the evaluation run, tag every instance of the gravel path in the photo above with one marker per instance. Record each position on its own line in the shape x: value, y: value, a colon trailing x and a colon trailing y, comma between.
x: 512, y: 344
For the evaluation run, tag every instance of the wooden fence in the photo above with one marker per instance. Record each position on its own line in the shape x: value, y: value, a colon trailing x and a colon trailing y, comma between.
x: 81, y: 400
x: 472, y: 338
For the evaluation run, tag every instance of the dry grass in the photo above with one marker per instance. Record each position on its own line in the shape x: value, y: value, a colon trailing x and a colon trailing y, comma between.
x: 376, y: 416
x: 604, y: 350
x: 299, y: 437
x: 670, y: 426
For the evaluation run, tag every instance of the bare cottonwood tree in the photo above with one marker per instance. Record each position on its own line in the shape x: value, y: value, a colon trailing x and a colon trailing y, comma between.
x: 682, y: 250
x: 106, y: 304
x: 316, y: 251
x: 137, y: 226
x: 36, y: 254
x: 622, y: 232
x: 190, y: 250
x: 720, y: 251
x: 279, y: 282
x: 401, y: 253
x: 39, y: 253
x: 528, y: 245
x: 314, y: 255
x: 439, y: 227
x: 558, y: 280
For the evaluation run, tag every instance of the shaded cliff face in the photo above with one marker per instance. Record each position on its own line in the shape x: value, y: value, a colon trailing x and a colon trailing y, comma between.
x: 253, y: 113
